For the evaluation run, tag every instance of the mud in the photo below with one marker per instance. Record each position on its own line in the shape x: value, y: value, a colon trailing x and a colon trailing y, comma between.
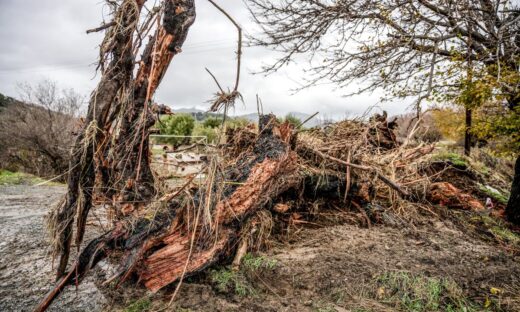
x: 333, y: 269
x: 26, y: 272
x: 320, y: 269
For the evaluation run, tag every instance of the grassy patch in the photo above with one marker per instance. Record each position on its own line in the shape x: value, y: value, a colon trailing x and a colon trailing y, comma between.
x: 17, y: 178
x: 494, y: 194
x: 255, y: 263
x: 496, y: 227
x: 417, y: 293
x: 141, y: 305
x: 226, y: 279
x: 454, y: 158
x: 505, y: 234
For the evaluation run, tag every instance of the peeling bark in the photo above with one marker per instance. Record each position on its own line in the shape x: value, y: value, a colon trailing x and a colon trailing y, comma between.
x: 121, y: 166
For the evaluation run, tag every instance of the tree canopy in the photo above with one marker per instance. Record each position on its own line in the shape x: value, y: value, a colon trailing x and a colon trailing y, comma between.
x: 406, y: 47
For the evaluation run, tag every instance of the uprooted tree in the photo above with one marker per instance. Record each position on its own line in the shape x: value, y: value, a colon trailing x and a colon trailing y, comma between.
x: 427, y: 49
x: 160, y: 236
x: 110, y: 157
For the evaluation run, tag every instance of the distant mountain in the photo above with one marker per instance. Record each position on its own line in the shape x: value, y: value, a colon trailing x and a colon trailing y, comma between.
x: 188, y: 110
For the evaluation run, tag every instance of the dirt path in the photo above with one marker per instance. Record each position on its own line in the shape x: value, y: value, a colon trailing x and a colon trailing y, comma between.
x: 25, y: 269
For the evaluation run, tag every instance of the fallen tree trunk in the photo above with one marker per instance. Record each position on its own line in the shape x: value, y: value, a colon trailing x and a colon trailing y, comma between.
x: 112, y: 148
x: 188, y: 235
x: 263, y: 174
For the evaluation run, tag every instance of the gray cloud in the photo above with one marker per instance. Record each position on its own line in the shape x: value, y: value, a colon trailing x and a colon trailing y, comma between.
x: 47, y: 39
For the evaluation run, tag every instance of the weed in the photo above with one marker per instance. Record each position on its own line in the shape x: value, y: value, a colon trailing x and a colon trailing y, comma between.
x: 454, y: 158
x: 16, y: 178
x: 417, y: 293
x: 505, y: 234
x: 141, y: 305
x: 255, y: 263
x: 496, y: 228
x: 227, y: 280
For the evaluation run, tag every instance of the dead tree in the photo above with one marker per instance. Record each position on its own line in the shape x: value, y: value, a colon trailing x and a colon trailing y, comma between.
x: 172, y: 245
x: 112, y: 147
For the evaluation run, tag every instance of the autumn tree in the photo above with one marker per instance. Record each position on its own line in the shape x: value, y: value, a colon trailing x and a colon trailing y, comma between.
x: 423, y: 49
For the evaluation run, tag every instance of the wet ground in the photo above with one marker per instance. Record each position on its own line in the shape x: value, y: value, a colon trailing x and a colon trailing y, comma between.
x: 25, y: 268
x: 321, y: 269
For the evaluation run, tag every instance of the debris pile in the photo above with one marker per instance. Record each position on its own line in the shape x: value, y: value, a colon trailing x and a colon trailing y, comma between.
x: 160, y: 235
x: 273, y: 170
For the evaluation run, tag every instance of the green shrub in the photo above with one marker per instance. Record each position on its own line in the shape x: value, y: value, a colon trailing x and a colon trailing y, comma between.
x: 295, y: 121
x: 179, y: 124
x: 226, y: 280
x: 236, y: 123
x: 212, y: 122
x: 210, y: 133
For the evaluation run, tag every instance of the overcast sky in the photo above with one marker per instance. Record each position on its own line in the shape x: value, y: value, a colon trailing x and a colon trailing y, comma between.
x: 46, y: 39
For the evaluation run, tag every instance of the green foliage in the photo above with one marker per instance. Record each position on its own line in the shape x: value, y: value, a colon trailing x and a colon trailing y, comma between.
x: 255, y: 263
x: 179, y: 124
x: 141, y: 305
x: 474, y: 93
x: 16, y: 178
x: 450, y: 122
x: 483, y: 91
x: 210, y: 133
x: 234, y: 123
x: 501, y: 126
x: 454, y: 158
x: 494, y: 121
x: 494, y: 194
x: 418, y: 293
x: 212, y: 122
x: 227, y: 280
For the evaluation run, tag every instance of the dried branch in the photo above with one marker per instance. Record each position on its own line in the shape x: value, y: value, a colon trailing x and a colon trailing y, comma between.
x: 227, y: 99
x: 100, y: 28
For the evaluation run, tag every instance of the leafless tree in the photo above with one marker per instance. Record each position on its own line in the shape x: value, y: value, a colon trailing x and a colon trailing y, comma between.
x: 417, y: 48
x: 38, y: 130
x: 402, y: 46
